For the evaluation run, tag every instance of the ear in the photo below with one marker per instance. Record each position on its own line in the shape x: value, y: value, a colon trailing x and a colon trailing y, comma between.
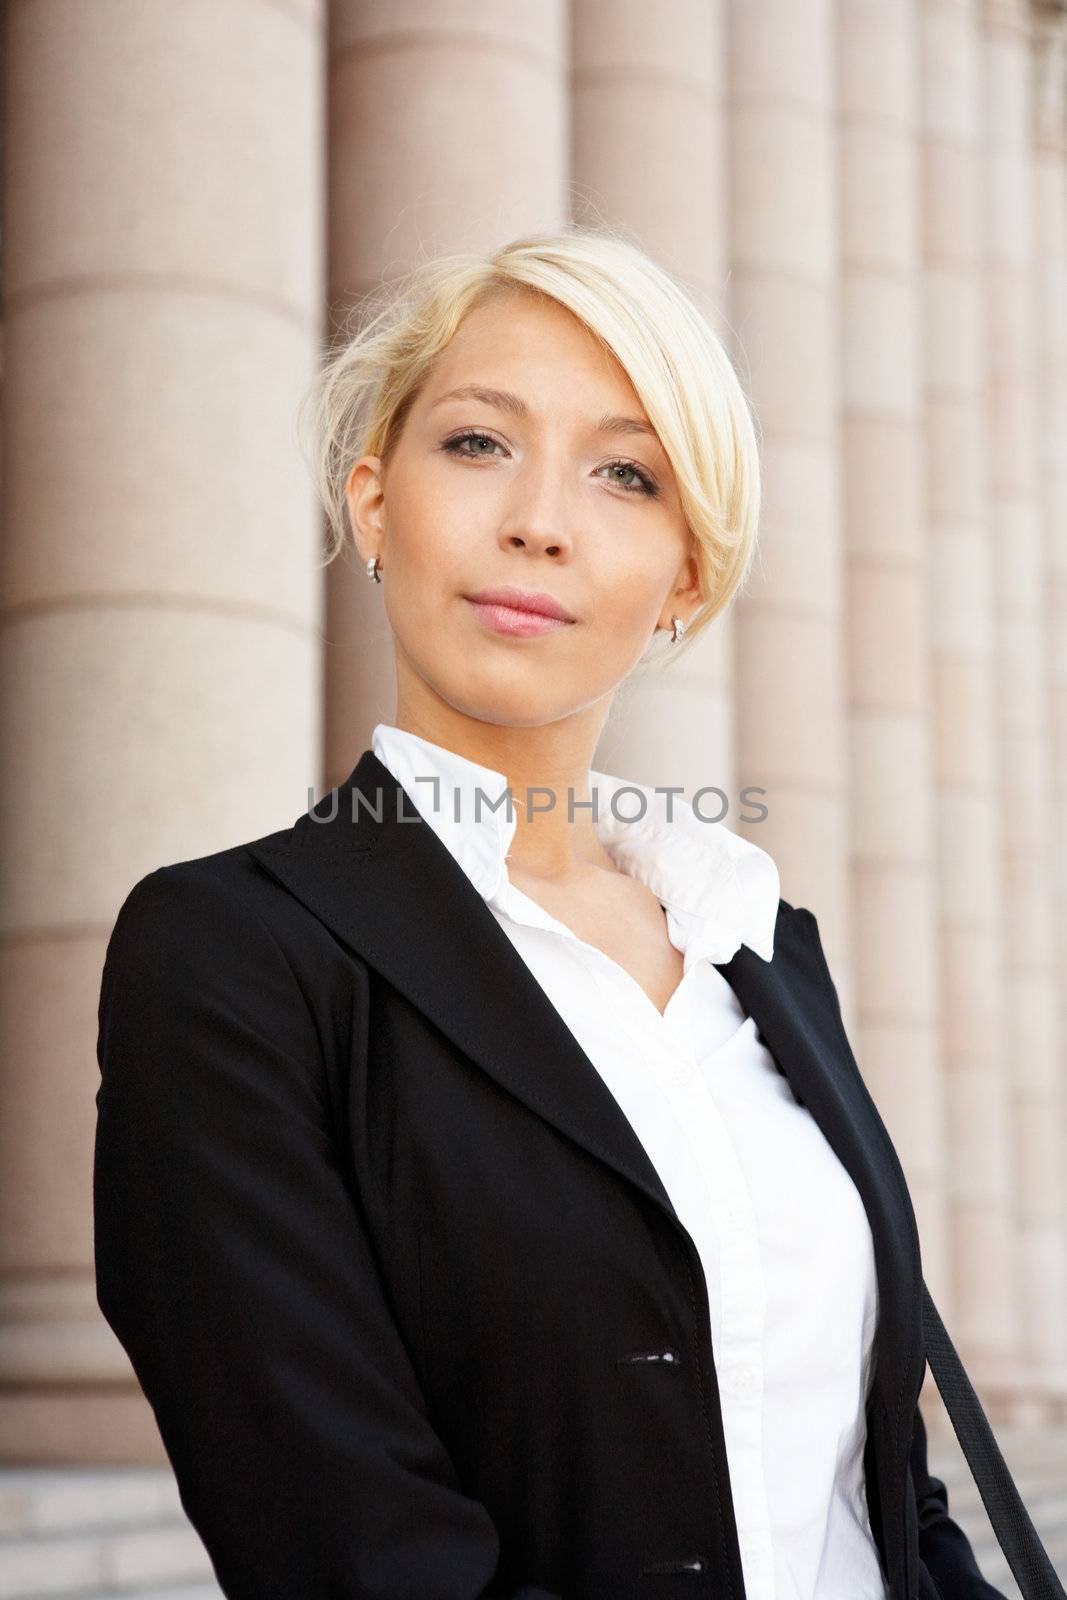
x: 686, y: 597
x: 365, y: 498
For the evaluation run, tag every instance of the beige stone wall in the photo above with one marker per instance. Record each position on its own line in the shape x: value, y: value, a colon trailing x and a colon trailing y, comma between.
x: 869, y: 198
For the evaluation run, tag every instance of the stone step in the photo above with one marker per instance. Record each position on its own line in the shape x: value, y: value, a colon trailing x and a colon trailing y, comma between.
x: 190, y: 1592
x: 1041, y: 1497
x: 1038, y: 1463
x: 996, y: 1570
x: 116, y: 1533
x: 95, y: 1532
x: 64, y: 1499
x: 131, y: 1560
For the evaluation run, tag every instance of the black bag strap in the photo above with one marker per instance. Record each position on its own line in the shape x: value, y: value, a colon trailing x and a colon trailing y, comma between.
x: 1026, y: 1555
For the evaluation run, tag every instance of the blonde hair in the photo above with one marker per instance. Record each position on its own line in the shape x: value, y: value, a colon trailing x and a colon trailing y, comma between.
x: 676, y: 362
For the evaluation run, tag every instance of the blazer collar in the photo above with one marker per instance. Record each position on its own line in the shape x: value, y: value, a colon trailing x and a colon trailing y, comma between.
x: 720, y: 887
x: 392, y: 892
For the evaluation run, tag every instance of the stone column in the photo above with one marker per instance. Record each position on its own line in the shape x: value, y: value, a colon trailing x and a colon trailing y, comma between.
x: 964, y: 699
x: 1050, y: 215
x: 1013, y: 485
x: 897, y: 991
x: 791, y: 699
x: 648, y: 121
x: 160, y: 672
x: 448, y: 130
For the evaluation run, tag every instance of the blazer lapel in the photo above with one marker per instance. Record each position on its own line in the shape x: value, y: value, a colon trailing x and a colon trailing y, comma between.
x: 394, y: 894
x: 794, y: 1003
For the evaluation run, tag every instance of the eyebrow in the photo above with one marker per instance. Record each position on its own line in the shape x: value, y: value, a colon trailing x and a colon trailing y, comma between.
x: 503, y: 400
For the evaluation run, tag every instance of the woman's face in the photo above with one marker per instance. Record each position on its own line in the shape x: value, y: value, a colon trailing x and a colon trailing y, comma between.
x: 561, y: 489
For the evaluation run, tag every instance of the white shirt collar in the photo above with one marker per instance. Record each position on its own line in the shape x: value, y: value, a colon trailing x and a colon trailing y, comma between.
x: 722, y: 889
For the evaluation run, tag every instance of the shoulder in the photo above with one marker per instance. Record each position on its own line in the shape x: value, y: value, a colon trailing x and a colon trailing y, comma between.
x: 184, y: 933
x: 181, y: 907
x: 186, y: 906
x: 799, y: 922
x: 797, y: 914
x: 212, y: 978
x: 220, y: 921
x: 225, y: 884
x: 800, y: 929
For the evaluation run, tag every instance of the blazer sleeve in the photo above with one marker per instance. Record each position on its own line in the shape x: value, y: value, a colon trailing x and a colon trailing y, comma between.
x: 944, y: 1548
x: 235, y: 1267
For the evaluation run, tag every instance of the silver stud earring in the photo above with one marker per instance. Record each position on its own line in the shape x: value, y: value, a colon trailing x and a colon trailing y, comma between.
x: 679, y: 629
x: 374, y: 569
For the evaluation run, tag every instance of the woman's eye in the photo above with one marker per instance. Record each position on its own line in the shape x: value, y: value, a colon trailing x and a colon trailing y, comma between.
x: 471, y: 437
x: 644, y: 484
x: 474, y: 439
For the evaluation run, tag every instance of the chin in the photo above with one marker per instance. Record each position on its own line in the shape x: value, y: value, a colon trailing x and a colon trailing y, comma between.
x: 519, y: 707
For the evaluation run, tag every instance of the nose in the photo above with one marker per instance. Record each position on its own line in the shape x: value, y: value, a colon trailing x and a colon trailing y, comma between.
x: 536, y: 541
x: 536, y: 533
x: 536, y: 520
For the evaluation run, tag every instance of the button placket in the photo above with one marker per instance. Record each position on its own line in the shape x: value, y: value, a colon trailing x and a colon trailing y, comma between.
x: 739, y: 1365
x: 732, y: 1214
x: 744, y: 1382
x: 678, y: 1072
x: 758, y: 1560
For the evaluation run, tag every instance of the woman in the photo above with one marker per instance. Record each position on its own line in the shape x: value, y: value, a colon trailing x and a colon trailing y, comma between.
x: 494, y: 1207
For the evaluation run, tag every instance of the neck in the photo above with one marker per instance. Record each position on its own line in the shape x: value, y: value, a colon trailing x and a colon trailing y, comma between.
x: 547, y: 769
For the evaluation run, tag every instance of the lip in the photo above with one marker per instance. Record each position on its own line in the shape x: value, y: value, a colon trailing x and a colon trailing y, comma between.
x: 519, y: 612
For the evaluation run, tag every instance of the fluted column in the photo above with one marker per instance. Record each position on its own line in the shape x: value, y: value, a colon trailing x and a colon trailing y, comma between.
x: 160, y: 671
x: 790, y: 647
x: 448, y: 130
x: 648, y: 126
x: 1013, y: 415
x: 964, y: 699
x: 893, y: 877
x: 1050, y: 213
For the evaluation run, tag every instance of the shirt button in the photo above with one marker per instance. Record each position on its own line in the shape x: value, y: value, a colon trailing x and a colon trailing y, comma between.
x: 755, y: 1559
x: 743, y: 1381
x: 680, y: 1073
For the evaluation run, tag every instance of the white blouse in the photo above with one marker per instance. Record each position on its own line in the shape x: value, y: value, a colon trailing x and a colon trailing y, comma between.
x: 780, y: 1228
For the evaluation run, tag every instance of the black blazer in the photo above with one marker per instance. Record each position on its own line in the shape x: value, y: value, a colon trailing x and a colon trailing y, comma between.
x: 392, y: 1266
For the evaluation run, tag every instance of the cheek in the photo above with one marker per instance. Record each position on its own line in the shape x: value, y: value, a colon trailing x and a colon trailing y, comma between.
x: 425, y: 540
x: 630, y: 601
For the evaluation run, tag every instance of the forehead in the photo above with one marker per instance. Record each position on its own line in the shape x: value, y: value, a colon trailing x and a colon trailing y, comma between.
x: 535, y: 350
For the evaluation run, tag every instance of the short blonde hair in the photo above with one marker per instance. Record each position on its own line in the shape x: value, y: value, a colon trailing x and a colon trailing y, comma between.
x: 676, y: 362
